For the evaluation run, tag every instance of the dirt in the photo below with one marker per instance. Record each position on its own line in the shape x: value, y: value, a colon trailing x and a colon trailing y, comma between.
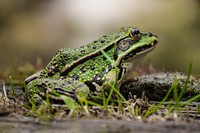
x: 28, y: 125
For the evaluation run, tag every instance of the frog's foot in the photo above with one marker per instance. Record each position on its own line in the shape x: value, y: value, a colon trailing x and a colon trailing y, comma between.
x: 53, y: 90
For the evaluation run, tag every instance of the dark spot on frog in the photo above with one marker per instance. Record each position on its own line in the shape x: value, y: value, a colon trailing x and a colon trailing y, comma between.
x: 104, y: 36
x: 59, y: 51
x: 95, y: 41
x: 82, y: 51
x: 94, y: 47
x: 51, y: 72
x: 63, y: 84
x: 92, y: 67
x: 91, y: 86
x: 75, y: 57
x: 75, y: 76
x: 82, y: 70
x: 94, y: 58
x: 102, y: 41
x: 104, y: 58
x: 65, y: 57
x: 104, y: 71
x: 61, y: 56
x: 70, y: 81
x: 54, y: 62
x: 97, y: 79
x: 80, y: 85
x: 46, y: 81
x: 109, y: 67
x: 81, y: 46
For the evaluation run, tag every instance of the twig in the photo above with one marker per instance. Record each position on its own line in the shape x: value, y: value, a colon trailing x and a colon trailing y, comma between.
x: 4, y: 89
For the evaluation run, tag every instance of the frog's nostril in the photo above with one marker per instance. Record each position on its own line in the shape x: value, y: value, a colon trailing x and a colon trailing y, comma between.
x: 150, y: 34
x: 155, y: 42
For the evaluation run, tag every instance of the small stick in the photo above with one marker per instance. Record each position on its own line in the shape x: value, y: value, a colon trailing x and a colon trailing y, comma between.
x: 4, y: 89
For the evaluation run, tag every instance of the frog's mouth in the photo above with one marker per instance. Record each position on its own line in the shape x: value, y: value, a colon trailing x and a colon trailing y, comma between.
x: 140, y: 51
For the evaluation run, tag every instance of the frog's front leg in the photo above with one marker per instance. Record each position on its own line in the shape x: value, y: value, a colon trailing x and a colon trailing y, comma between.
x: 42, y: 88
x: 114, y: 78
x: 111, y: 79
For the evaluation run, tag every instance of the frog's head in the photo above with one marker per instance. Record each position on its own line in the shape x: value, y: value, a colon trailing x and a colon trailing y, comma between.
x: 134, y: 45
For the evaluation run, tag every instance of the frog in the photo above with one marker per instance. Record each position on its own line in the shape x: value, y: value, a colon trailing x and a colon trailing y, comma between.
x: 92, y: 68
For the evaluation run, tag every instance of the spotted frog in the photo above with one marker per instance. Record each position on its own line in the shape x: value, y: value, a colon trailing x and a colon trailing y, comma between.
x: 89, y: 69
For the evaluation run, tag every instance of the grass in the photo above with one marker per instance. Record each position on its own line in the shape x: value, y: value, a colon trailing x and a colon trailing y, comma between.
x: 177, y: 97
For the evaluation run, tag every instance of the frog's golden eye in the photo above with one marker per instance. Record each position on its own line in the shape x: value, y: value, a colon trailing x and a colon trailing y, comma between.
x: 134, y: 32
x: 124, y: 45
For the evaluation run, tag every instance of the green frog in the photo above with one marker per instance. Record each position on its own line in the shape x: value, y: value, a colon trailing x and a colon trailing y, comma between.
x: 90, y: 68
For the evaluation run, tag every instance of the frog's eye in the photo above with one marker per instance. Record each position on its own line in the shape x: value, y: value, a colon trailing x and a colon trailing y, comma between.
x: 124, y: 45
x: 134, y: 32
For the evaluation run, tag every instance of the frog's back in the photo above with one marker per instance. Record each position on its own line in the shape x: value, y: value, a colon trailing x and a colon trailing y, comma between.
x: 66, y: 57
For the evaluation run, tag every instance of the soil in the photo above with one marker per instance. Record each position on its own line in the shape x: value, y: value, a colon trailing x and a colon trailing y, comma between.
x: 28, y: 125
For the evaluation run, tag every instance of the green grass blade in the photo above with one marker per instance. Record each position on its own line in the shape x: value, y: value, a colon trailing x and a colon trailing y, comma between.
x: 106, y: 55
x: 104, y: 99
x: 119, y: 94
x: 71, y: 104
x: 154, y: 108
x: 175, y: 90
x: 190, y: 100
x: 186, y: 82
x: 110, y: 94
x: 11, y: 86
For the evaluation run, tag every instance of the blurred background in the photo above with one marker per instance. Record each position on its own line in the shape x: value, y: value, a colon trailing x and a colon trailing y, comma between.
x: 32, y: 31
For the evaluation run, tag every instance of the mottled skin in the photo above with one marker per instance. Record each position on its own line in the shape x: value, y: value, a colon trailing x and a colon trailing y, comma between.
x: 86, y: 70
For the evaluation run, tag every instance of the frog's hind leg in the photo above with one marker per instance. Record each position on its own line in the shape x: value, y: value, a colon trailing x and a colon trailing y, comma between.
x: 42, y: 89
